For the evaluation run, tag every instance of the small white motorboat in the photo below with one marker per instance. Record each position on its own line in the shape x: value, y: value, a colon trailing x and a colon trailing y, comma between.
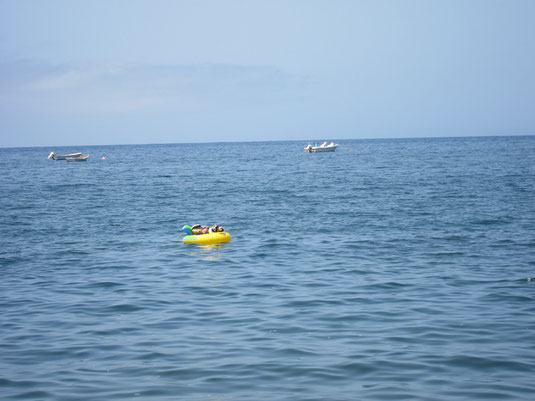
x: 77, y: 158
x: 324, y: 147
x: 54, y: 156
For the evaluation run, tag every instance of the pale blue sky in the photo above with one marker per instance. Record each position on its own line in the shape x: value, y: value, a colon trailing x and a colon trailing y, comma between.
x: 118, y: 72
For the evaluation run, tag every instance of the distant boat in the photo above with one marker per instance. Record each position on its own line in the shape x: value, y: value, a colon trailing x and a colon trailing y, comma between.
x: 54, y: 156
x: 324, y: 147
x: 77, y: 158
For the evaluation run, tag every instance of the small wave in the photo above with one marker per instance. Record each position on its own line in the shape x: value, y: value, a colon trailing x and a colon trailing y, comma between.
x: 122, y: 308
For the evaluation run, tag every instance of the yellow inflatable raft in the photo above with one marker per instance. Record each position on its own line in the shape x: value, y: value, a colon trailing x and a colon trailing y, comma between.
x: 206, y: 239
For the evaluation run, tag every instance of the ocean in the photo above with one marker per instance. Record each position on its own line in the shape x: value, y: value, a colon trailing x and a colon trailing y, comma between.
x: 393, y: 269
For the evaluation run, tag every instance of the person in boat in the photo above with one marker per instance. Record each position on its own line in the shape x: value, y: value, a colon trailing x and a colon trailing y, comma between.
x: 197, y: 229
x: 217, y: 229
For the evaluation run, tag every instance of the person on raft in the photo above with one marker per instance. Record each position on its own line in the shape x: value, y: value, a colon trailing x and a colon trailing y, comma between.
x: 197, y: 229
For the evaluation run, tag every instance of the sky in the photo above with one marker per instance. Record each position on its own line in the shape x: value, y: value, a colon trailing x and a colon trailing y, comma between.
x: 105, y: 72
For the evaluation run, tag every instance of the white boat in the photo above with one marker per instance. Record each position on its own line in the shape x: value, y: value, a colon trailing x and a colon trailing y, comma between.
x: 324, y: 147
x: 77, y: 158
x: 54, y: 156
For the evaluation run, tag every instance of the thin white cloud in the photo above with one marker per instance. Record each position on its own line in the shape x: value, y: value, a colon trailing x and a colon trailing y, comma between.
x: 69, y: 79
x: 129, y: 88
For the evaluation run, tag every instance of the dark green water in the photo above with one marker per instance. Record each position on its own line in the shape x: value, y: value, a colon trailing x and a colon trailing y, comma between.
x: 390, y: 269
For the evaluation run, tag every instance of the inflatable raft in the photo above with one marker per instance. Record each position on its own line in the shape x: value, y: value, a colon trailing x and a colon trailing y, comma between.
x: 204, y: 239
x: 207, y: 239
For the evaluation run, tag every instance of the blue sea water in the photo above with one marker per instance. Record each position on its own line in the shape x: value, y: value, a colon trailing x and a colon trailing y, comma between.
x: 387, y: 270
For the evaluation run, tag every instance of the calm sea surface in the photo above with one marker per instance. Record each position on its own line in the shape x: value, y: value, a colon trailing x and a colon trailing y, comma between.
x: 387, y: 270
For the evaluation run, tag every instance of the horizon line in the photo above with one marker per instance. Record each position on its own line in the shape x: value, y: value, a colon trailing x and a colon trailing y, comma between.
x: 285, y: 140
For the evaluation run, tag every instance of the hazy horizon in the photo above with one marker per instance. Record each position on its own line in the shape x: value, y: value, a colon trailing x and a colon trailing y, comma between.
x: 307, y: 141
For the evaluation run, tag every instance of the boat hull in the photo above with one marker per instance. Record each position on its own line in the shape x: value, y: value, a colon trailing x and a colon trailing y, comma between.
x: 314, y: 149
x: 77, y: 159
